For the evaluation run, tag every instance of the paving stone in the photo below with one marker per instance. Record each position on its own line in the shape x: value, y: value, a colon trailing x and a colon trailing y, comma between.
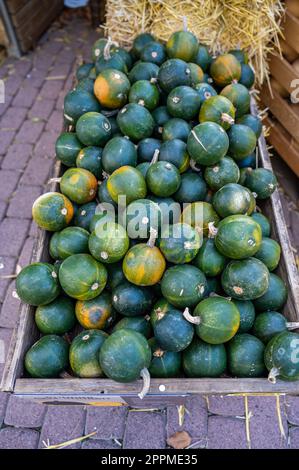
x: 45, y: 147
x: 52, y: 47
x: 108, y: 421
x: 8, y: 182
x: 22, y: 201
x: 3, y: 207
x: 17, y: 156
x: 12, y: 438
x: 41, y: 109
x: 59, y: 70
x: 23, y: 66
x: 226, y: 406
x: 5, y: 338
x: 10, y: 309
x: 3, y: 402
x: 37, y: 172
x: 42, y: 61
x: 294, y: 438
x: 264, y: 417
x: 145, y: 430
x: 195, y: 420
x: 292, y: 410
x: 100, y: 444
x: 23, y: 413
x: 7, y: 265
x: 6, y: 138
x: 51, y: 88
x: 29, y: 132
x: 13, y: 233
x: 55, y: 122
x: 62, y: 423
x: 12, y: 84
x: 5, y: 106
x: 13, y: 118
x: 226, y: 433
x: 66, y: 56
x: 25, y: 96
x: 26, y: 253
x: 35, y: 78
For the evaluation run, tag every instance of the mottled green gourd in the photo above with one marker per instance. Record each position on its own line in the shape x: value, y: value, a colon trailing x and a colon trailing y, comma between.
x: 209, y: 260
x: 200, y: 215
x: 109, y: 242
x: 143, y: 71
x: 96, y: 313
x: 71, y: 241
x: 254, y: 122
x: 141, y: 216
x: 231, y: 199
x: 175, y: 151
x: 48, y: 357
x: 281, y: 357
x: 172, y: 331
x: 207, y: 143
x: 146, y: 148
x: 37, y: 284
x: 79, y: 185
x: 224, y: 69
x: 111, y: 88
x: 263, y: 223
x: 269, y: 253
x: 85, y: 214
x: 84, y: 353
x: 183, y: 285
x: 90, y: 158
x: 179, y: 243
x: 153, y: 52
x: 242, y: 141
x: 274, y: 297
x: 165, y: 364
x: 145, y: 93
x: 247, y: 314
x: 218, y: 109
x: 135, y: 121
x: 182, y: 45
x: 239, y: 96
x: 140, y: 324
x: 163, y: 179
x: 131, y: 300
x: 173, y: 73
x: 261, y: 181
x: 77, y: 103
x: 126, y: 182
x: 192, y: 188
x: 67, y: 147
x: 183, y: 102
x: 93, y: 129
x: 245, y: 355
x: 201, y: 359
x: 52, y: 211
x: 269, y: 324
x: 223, y: 172
x: 176, y: 128
x: 205, y: 91
x: 140, y: 41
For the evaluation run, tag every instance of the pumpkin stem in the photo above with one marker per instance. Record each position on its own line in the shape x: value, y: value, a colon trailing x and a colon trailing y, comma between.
x: 187, y: 315
x: 292, y: 325
x: 194, y: 166
x: 159, y: 352
x: 197, y: 140
x: 54, y: 180
x: 185, y: 23
x: 145, y: 375
x: 155, y: 157
x: 153, y: 236
x: 212, y: 230
x: 274, y: 372
x: 106, y: 52
x: 227, y: 118
x: 105, y: 175
x: 65, y: 375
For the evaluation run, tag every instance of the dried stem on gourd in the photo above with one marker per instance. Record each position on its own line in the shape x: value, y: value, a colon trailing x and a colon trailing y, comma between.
x: 187, y: 315
x: 153, y: 236
x: 54, y: 180
x: 227, y: 118
x: 212, y: 230
x: 107, y: 48
x: 194, y: 166
x: 274, y: 372
x: 155, y: 157
x: 145, y: 375
x: 292, y: 325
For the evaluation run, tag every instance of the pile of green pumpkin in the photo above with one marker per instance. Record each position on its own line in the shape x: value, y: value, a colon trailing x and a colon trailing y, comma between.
x: 196, y: 295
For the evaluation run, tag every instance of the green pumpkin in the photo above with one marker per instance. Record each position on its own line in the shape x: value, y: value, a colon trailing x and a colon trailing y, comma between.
x: 119, y: 151
x: 183, y: 285
x: 182, y: 45
x: 161, y: 116
x: 57, y: 317
x: 247, y: 76
x: 92, y: 74
x: 84, y: 215
x: 67, y: 147
x: 218, y: 109
x: 71, y: 241
x: 218, y: 320
x: 37, y: 284
x: 247, y: 314
x: 176, y: 128
x: 205, y: 91
x: 213, y: 286
x: 245, y: 279
x: 171, y: 330
x: 201, y: 359
x: 200, y: 215
x: 82, y: 277
x: 83, y: 70
x: 90, y: 158
x: 261, y: 181
x: 269, y: 324
x: 79, y: 185
x: 263, y: 223
x: 144, y: 71
x: 231, y: 199
x: 124, y: 355
x: 192, y: 188
x: 163, y: 179
x: 183, y: 102
x: 197, y: 74
x: 53, y: 245
x: 240, y: 55
x: 165, y: 364
x: 86, y: 84
x: 98, y: 48
x: 140, y: 41
x: 47, y: 357
x: 84, y: 353
x: 103, y: 193
x: 140, y: 324
x: 281, y: 357
x: 111, y: 88
x: 153, y: 52
x: 93, y: 128
x: 144, y: 264
x: 141, y: 216
x: 225, y: 69
x: 202, y: 57
x: 207, y: 143
x: 115, y: 275
x: 131, y: 300
x: 254, y: 122
x: 135, y: 121
x: 145, y: 93
x: 77, y: 103
x: 102, y: 215
x: 126, y: 181
x: 252, y: 203
x: 96, y: 313
x: 242, y: 141
x: 238, y: 237
x: 109, y: 242
x: 223, y: 172
x: 244, y: 164
x: 115, y: 62
x: 245, y: 355
x: 239, y: 96
x: 173, y: 73
x: 52, y: 211
x: 175, y: 151
x: 179, y: 243
x: 146, y: 149
x: 169, y: 209
x: 209, y: 260
x: 143, y: 167
x: 274, y: 297
x: 269, y: 253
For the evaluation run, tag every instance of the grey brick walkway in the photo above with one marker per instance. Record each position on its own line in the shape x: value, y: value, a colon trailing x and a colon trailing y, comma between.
x: 30, y: 120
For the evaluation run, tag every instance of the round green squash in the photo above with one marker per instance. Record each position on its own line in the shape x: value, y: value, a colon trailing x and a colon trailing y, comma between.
x: 72, y: 241
x: 115, y: 275
x: 245, y: 279
x: 209, y: 260
x: 52, y: 211
x: 161, y: 116
x: 83, y: 70
x: 103, y: 194
x: 53, y: 245
x: 47, y: 357
x: 93, y: 128
x: 140, y: 324
x: 201, y: 359
x: 153, y: 52
x: 135, y: 121
x: 84, y: 215
x: 146, y: 149
x: 163, y: 179
x: 126, y: 182
x: 170, y: 210
x: 231, y: 199
x: 98, y: 48
x: 84, y: 353
x: 90, y: 158
x: 263, y: 223
x: 82, y: 277
x: 115, y: 62
x: 225, y: 69
x: 192, y: 188
x: 240, y: 55
x: 269, y: 253
x: 196, y: 73
x: 254, y: 122
x: 37, y: 284
x: 238, y: 237
x: 131, y: 300
x: 217, y: 320
x: 269, y: 324
x: 242, y: 141
x: 207, y: 143
x: 171, y: 330
x: 200, y: 215
x: 247, y: 314
x: 77, y: 103
x: 281, y: 357
x: 182, y: 45
x: 245, y: 355
x: 183, y: 102
x: 143, y: 167
x: 247, y: 76
x: 165, y: 364
x: 205, y: 91
x: 144, y: 264
x: 86, y: 84
x: 140, y: 41
x: 223, y: 172
x: 96, y: 313
x: 109, y: 242
x: 124, y: 355
x: 239, y: 96
x: 141, y: 216
x: 244, y: 164
x: 173, y: 73
x: 144, y: 71
x: 79, y: 185
x: 218, y: 109
x: 261, y: 181
x: 183, y: 285
x: 179, y: 243
x: 144, y: 93
x: 274, y: 297
x: 176, y: 128
x: 111, y: 88
x: 67, y: 147
x: 202, y: 57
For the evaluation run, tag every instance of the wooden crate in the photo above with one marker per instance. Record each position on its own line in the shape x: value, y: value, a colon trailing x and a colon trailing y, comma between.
x: 162, y: 391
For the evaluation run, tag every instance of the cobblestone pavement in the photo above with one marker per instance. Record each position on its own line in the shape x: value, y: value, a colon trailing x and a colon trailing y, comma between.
x: 30, y: 120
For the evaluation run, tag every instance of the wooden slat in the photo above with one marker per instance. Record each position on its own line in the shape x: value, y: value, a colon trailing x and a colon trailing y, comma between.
x: 283, y: 72
x: 14, y: 6
x: 291, y: 30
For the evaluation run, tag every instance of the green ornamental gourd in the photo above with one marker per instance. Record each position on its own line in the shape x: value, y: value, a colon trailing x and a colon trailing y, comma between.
x: 90, y: 158
x: 202, y: 359
x: 93, y: 129
x: 183, y: 285
x: 135, y: 121
x: 261, y: 181
x: 48, y: 357
x: 52, y: 211
x: 245, y: 355
x: 79, y: 185
x: 179, y: 243
x: 96, y: 313
x: 163, y: 179
x: 207, y: 143
x: 247, y: 314
x: 223, y: 172
x: 131, y: 300
x: 84, y: 215
x: 176, y: 128
x: 57, y: 317
x: 231, y: 199
x: 37, y: 284
x: 164, y: 364
x: 183, y: 102
x: 218, y: 109
x: 172, y: 331
x: 174, y: 73
x: 143, y: 71
x: 269, y: 324
x: 84, y: 352
x: 128, y: 183
x: 109, y: 242
x: 67, y: 147
x: 144, y: 93
x: 242, y: 141
x: 269, y: 253
x: 274, y: 297
x: 282, y: 357
x: 175, y: 151
x: 77, y: 103
x: 192, y: 188
x: 71, y: 241
x: 209, y: 260
x: 140, y: 324
x: 239, y: 96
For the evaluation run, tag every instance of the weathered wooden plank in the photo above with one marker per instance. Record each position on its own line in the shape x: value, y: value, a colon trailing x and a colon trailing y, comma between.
x: 291, y: 30
x: 15, y: 5
x: 283, y: 72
